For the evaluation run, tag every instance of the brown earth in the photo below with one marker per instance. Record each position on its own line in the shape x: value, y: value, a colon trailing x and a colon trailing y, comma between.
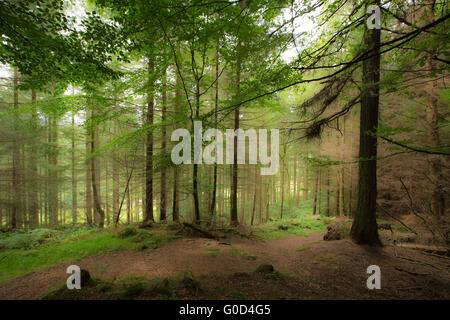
x: 314, y: 269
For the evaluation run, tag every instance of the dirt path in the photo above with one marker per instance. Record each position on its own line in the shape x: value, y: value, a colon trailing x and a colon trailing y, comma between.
x: 339, y: 266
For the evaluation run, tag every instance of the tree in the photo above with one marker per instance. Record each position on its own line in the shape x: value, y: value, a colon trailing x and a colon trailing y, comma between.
x: 148, y: 216
x: 364, y: 228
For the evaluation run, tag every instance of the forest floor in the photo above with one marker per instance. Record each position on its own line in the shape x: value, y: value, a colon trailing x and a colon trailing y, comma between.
x: 236, y: 266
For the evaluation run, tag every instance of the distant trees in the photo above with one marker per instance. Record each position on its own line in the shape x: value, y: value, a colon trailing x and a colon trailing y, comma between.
x: 154, y: 66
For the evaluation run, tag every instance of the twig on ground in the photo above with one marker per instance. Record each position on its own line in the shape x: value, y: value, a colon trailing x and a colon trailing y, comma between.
x: 411, y: 273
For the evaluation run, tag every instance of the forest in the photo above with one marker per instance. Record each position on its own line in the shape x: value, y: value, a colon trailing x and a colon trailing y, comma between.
x: 123, y: 149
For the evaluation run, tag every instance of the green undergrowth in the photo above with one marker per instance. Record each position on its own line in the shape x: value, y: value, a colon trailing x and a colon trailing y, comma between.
x: 181, y: 286
x: 394, y: 225
x: 212, y: 252
x: 243, y: 253
x: 302, y: 224
x: 299, y: 222
x: 128, y: 288
x: 20, y: 255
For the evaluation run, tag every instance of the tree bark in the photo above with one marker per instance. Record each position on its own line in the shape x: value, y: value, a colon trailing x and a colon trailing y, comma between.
x: 289, y: 189
x: 216, y: 105
x: 148, y: 216
x: 432, y: 117
x: 316, y: 184
x: 99, y: 213
x: 176, y: 169
x: 254, y: 199
x: 195, y: 166
x: 305, y: 182
x: 53, y: 201
x: 88, y: 198
x: 234, y: 187
x: 115, y: 172
x: 163, y: 202
x: 364, y: 228
x: 74, y: 175
x: 328, y: 193
x: 16, y: 203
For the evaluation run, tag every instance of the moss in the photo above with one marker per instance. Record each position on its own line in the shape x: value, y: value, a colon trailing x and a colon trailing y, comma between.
x: 131, y: 291
x: 140, y: 247
x: 275, y: 275
x: 301, y: 224
x: 161, y: 288
x: 302, y: 248
x: 242, y: 253
x: 189, y: 282
x: 241, y: 275
x: 97, y: 289
x: 18, y: 262
x: 212, y: 252
x: 126, y: 232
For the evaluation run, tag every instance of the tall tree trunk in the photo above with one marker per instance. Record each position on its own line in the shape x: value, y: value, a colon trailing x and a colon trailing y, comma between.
x: 128, y: 206
x: 47, y: 174
x: 341, y: 172
x: 268, y: 187
x: 33, y: 192
x: 16, y: 204
x: 283, y: 171
x: 234, y: 186
x: 282, y: 188
x: 350, y: 189
x: 74, y: 175
x: 107, y: 206
x: 316, y: 184
x: 319, y: 192
x: 254, y: 198
x: 53, y: 201
x: 221, y: 195
x: 341, y: 192
x: 305, y: 182
x: 175, y: 200
x: 336, y: 193
x: 195, y: 166
x: 289, y: 189
x: 88, y: 198
x: 243, y: 198
x: 148, y: 216
x: 216, y: 105
x: 432, y: 117
x: 296, y: 187
x: 364, y: 229
x: 176, y: 169
x: 99, y: 213
x: 115, y: 172
x: 328, y: 193
x: 163, y: 202
x: 260, y: 201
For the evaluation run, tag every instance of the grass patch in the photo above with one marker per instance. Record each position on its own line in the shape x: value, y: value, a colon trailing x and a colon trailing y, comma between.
x: 331, y: 260
x: 132, y: 291
x: 301, y: 224
x: 128, y: 289
x: 302, y: 248
x: 16, y: 262
x: 242, y: 253
x: 212, y: 252
x: 98, y: 289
